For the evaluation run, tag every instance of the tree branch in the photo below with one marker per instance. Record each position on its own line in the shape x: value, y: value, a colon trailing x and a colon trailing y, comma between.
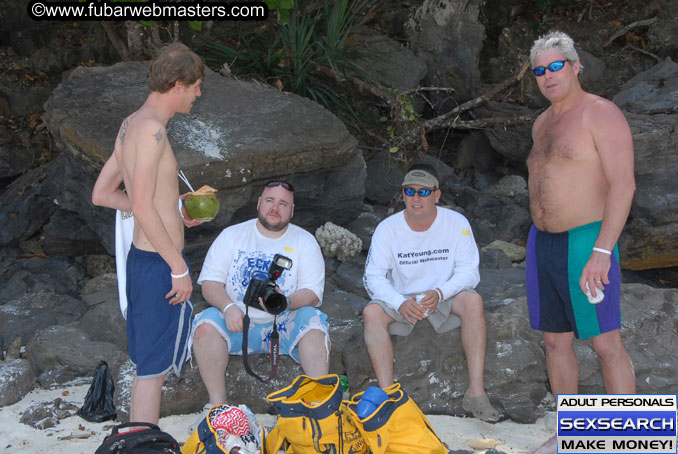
x: 415, y: 132
x: 448, y: 119
x: 118, y: 44
x: 625, y: 29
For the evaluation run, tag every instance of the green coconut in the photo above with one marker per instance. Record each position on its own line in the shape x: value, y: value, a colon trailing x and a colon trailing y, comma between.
x: 202, y: 204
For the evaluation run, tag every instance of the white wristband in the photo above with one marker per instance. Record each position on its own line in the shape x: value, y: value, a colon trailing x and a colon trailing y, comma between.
x: 602, y: 251
x: 179, y: 276
x: 440, y: 294
x: 226, y: 308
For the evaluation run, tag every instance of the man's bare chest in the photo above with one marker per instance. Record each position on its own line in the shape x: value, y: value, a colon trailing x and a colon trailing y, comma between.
x: 564, y: 140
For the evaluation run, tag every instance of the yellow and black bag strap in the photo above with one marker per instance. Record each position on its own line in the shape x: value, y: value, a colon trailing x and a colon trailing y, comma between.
x: 207, y: 437
x: 285, y: 407
x: 385, y: 411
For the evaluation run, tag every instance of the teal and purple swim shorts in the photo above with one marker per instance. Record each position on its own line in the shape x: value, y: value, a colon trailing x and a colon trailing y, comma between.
x: 556, y: 303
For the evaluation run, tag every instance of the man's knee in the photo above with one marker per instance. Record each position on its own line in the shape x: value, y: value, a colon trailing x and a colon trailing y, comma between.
x: 204, y: 333
x: 555, y: 343
x: 313, y: 335
x: 608, y: 346
x: 374, y: 315
x: 468, y: 305
x: 315, y: 346
x: 315, y: 339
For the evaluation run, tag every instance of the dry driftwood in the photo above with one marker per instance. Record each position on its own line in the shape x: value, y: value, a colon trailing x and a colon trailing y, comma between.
x: 414, y: 133
x: 625, y: 29
x: 451, y: 118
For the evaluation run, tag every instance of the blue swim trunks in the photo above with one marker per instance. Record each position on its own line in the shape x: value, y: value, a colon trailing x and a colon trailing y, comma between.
x: 555, y: 262
x: 292, y: 325
x: 157, y: 332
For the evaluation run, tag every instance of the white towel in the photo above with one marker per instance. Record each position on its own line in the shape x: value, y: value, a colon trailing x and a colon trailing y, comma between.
x: 124, y: 234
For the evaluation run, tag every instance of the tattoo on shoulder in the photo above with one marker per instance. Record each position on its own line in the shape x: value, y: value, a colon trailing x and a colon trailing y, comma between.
x: 158, y: 136
x: 123, y: 130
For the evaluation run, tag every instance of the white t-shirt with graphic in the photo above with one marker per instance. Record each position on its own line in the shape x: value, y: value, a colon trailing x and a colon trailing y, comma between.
x: 402, y: 262
x: 241, y: 252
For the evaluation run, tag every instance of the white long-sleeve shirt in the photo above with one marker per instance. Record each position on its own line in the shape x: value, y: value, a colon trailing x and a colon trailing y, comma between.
x: 402, y: 262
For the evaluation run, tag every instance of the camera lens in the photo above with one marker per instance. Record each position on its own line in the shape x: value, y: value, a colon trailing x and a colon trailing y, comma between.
x: 275, y: 302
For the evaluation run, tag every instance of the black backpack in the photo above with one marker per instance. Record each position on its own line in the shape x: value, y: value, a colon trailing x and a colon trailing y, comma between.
x: 146, y: 439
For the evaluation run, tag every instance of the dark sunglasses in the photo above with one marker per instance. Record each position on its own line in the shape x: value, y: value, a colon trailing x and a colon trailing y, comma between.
x: 553, y: 67
x: 423, y: 192
x: 284, y: 184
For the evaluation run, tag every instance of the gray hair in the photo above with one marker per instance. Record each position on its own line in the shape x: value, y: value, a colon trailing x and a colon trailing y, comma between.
x: 558, y: 41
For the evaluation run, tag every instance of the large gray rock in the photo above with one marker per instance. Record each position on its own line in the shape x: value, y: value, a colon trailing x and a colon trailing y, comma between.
x: 654, y: 89
x: 384, y: 178
x: 103, y: 322
x: 16, y: 380
x: 238, y: 135
x: 368, y: 220
x: 45, y: 415
x: 388, y: 62
x: 649, y: 320
x: 69, y: 349
x: 493, y: 216
x: 513, y: 142
x: 448, y: 36
x: 35, y: 274
x: 61, y: 188
x: 24, y: 316
x: 650, y: 238
x: 66, y: 234
x: 494, y: 258
x: 24, y: 208
x: 663, y: 35
x: 349, y: 276
x: 14, y: 161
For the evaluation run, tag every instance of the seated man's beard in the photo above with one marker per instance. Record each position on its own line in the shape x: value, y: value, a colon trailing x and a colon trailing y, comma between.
x: 272, y: 227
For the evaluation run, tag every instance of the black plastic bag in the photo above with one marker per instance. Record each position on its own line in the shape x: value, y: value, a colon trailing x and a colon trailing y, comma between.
x: 99, y: 404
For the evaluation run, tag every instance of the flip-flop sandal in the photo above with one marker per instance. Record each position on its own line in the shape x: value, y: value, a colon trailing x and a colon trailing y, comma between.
x: 481, y: 407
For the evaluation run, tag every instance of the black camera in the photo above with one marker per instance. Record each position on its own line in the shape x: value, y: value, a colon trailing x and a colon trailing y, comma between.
x: 274, y: 301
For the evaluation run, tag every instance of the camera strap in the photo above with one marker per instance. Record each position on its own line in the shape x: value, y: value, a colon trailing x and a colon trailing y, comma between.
x: 275, y: 348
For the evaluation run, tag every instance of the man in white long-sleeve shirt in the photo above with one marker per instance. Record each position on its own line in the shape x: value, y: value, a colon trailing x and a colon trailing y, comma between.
x: 425, y: 253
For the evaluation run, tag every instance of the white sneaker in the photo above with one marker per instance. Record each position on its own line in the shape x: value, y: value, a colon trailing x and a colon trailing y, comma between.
x: 203, y: 414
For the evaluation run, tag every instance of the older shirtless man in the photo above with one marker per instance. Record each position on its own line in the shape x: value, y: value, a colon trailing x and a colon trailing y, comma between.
x: 158, y: 276
x: 581, y: 185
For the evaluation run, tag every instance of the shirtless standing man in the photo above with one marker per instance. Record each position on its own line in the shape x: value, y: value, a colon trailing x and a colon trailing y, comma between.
x: 158, y: 276
x: 581, y: 186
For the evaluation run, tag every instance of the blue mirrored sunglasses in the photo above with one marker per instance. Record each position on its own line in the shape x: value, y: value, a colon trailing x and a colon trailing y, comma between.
x: 423, y: 192
x: 553, y: 67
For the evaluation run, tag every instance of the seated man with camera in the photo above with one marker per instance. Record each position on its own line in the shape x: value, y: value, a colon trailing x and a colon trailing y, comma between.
x: 270, y: 270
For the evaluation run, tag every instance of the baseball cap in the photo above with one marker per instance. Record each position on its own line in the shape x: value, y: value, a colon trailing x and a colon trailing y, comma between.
x: 420, y: 177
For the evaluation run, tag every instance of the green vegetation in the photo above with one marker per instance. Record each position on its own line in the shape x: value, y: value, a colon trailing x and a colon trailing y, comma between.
x: 306, y: 51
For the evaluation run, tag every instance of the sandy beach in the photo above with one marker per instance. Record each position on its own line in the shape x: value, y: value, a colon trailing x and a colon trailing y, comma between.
x: 75, y: 435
